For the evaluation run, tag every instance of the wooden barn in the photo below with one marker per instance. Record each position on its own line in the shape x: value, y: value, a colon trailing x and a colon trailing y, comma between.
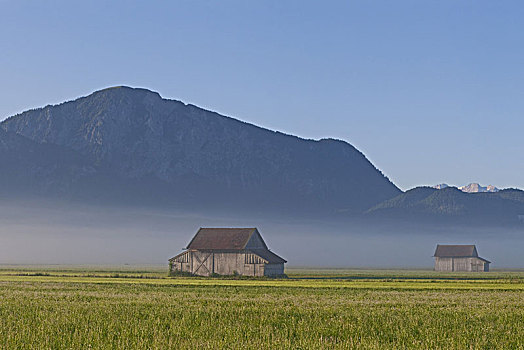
x: 228, y: 251
x: 459, y: 258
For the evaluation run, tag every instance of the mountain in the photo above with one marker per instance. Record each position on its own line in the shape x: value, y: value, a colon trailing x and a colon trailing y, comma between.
x: 451, y: 205
x: 441, y: 186
x: 471, y: 188
x: 30, y: 167
x: 475, y: 188
x: 130, y: 145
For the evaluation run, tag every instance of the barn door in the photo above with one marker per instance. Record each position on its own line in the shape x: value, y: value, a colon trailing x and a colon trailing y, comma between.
x: 200, y: 264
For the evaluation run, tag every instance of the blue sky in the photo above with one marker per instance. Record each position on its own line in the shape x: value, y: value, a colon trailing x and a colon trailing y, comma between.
x: 430, y: 91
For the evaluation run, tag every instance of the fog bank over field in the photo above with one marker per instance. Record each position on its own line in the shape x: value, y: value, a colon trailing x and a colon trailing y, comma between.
x: 33, y: 232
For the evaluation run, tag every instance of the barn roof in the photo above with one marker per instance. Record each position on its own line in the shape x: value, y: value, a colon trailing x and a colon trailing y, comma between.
x: 485, y: 260
x: 269, y: 256
x: 456, y: 250
x: 221, y: 238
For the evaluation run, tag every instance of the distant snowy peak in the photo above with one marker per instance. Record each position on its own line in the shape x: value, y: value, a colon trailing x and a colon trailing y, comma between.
x: 441, y: 186
x: 475, y: 187
x: 471, y: 188
x: 492, y: 188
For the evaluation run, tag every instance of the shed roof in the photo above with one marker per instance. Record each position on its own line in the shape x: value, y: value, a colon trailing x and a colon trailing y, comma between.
x: 269, y: 256
x: 456, y: 250
x: 485, y: 260
x: 221, y: 238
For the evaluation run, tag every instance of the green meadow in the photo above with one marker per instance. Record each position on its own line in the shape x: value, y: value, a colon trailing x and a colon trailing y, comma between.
x: 90, y: 307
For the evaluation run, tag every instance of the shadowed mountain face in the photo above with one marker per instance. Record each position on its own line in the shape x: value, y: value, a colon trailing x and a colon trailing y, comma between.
x: 130, y: 145
x: 29, y: 167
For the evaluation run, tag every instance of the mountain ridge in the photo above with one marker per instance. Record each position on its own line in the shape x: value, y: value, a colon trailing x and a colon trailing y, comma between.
x: 451, y: 205
x: 187, y: 151
x: 473, y: 187
x: 130, y: 146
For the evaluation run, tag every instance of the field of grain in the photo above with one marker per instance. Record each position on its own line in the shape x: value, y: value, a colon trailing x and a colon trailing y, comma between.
x: 140, y: 308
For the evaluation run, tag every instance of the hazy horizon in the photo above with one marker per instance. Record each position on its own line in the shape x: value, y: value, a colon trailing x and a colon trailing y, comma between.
x: 56, y: 232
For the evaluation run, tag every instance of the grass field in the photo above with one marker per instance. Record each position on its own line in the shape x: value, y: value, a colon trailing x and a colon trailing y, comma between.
x: 140, y: 308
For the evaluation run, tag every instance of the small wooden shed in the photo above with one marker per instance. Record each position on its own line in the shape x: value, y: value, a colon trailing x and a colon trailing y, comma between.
x: 228, y: 251
x: 459, y: 258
